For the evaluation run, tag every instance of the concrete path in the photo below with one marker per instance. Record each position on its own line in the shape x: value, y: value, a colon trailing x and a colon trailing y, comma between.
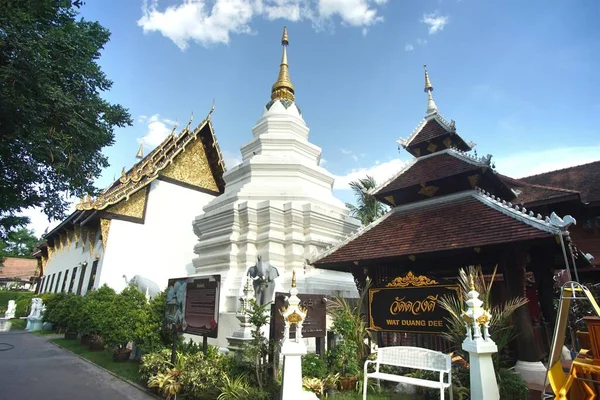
x: 35, y: 369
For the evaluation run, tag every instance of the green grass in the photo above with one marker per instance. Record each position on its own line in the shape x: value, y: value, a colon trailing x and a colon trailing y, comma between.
x: 127, y: 370
x: 18, y: 324
x: 45, y: 333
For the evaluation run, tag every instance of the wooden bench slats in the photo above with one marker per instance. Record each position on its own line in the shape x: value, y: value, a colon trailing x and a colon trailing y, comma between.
x: 407, y: 379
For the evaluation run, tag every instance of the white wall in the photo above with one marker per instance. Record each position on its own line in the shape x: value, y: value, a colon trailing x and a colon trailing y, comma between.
x: 162, y: 247
x: 66, y: 260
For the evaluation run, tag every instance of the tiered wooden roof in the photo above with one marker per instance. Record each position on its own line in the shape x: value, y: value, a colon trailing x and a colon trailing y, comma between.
x: 463, y: 220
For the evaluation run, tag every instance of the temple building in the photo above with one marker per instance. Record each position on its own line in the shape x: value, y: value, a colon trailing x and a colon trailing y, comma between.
x: 138, y: 230
x: 278, y: 204
x: 451, y: 209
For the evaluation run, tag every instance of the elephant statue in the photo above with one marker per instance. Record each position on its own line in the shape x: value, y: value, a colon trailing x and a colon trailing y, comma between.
x: 145, y: 285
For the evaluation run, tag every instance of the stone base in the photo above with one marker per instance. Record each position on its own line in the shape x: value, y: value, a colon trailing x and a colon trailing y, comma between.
x: 5, y: 324
x: 533, y: 373
x: 34, y: 324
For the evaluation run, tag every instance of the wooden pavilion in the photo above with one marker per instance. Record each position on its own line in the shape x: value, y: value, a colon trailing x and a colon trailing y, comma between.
x: 451, y: 209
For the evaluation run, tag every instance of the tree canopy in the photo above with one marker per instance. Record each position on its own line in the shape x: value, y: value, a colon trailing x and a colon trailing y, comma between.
x: 54, y: 122
x: 19, y: 243
x: 367, y: 208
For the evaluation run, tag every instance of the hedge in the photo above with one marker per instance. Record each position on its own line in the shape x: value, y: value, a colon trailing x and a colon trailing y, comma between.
x: 22, y: 298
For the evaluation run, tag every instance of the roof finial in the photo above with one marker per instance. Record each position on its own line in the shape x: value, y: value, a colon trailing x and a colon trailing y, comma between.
x: 294, y: 278
x: 140, y: 153
x: 283, y: 89
x: 431, y: 107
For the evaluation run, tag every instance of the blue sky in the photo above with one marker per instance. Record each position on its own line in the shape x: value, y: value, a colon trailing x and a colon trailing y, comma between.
x: 520, y: 78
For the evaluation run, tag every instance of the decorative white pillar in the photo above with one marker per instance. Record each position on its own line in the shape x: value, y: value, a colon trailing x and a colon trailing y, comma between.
x: 480, y: 347
x: 10, y: 310
x: 244, y: 333
x: 292, y: 350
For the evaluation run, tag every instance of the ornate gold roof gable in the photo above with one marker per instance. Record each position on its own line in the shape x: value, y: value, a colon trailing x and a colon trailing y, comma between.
x: 283, y: 89
x: 411, y: 280
x: 148, y: 169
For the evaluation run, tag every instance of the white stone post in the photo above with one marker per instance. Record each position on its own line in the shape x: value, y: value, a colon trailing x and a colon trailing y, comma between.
x: 244, y: 333
x: 480, y: 347
x: 292, y: 350
x: 10, y: 311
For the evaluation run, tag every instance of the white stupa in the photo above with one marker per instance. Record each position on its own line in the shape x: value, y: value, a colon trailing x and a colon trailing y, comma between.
x: 278, y: 203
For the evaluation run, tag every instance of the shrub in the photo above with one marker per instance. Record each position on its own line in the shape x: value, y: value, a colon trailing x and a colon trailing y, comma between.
x: 95, y: 308
x: 127, y: 315
x: 313, y: 366
x: 155, y: 363
x: 511, y: 385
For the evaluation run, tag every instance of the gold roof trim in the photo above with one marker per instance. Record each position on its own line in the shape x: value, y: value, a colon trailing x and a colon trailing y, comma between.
x: 411, y: 280
x: 283, y: 89
x: 148, y: 169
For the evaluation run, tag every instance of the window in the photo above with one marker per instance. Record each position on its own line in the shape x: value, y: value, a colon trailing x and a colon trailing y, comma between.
x: 72, y: 280
x: 81, y: 276
x: 41, y: 287
x: 57, y: 282
x: 93, y: 276
x: 52, y: 282
x: 64, y: 284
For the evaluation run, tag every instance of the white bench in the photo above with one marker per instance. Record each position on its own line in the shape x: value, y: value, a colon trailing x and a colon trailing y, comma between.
x: 415, y: 358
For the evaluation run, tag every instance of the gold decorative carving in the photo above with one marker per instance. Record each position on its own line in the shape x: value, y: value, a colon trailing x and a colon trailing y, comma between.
x: 447, y: 142
x: 371, y: 294
x: 133, y: 206
x: 104, y: 227
x: 50, y: 252
x: 294, y: 318
x: 412, y: 280
x: 92, y: 239
x: 61, y: 245
x: 428, y: 191
x: 44, y: 262
x: 390, y: 199
x: 77, y: 234
x: 414, y: 307
x: 483, y: 319
x: 417, y: 152
x: 412, y: 257
x: 68, y: 239
x: 474, y: 180
x: 467, y: 318
x: 192, y: 167
x: 432, y: 147
x: 147, y: 170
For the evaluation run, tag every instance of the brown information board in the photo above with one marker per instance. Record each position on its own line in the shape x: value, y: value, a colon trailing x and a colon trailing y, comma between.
x: 315, y: 323
x: 410, y: 304
x: 194, y: 304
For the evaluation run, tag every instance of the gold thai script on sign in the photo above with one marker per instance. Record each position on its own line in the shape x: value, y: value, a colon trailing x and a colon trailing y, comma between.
x: 413, y: 307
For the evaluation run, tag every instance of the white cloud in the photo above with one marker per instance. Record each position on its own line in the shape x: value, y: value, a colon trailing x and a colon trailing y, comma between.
x: 421, y: 42
x: 158, y: 129
x: 196, y: 20
x: 38, y: 221
x: 523, y: 164
x: 323, y: 162
x: 380, y: 171
x: 435, y: 22
x: 408, y: 47
x: 231, y: 159
x: 349, y: 153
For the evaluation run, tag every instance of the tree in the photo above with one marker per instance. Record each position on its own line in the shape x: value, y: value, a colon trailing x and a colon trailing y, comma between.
x: 367, y: 208
x: 19, y: 243
x: 53, y: 120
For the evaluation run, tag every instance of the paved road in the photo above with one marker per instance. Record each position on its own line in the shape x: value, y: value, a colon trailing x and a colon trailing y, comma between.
x: 35, y: 369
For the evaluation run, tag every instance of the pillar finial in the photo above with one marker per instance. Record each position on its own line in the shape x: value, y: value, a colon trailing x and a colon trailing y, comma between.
x: 140, y: 153
x: 294, y: 279
x: 283, y: 89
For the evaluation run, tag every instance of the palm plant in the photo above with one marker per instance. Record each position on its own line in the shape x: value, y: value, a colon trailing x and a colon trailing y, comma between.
x: 501, y: 328
x: 367, y: 208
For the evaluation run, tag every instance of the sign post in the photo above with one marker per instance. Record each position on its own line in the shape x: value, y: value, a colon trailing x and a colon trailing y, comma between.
x: 410, y: 304
x: 193, y: 307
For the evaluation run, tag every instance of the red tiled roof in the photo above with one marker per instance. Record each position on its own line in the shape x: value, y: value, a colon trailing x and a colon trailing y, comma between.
x: 21, y: 268
x: 529, y: 194
x: 460, y: 222
x: 431, y: 130
x: 429, y: 169
x: 584, y: 179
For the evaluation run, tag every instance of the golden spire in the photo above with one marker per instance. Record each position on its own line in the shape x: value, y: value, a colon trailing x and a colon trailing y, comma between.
x: 428, y: 87
x: 294, y: 272
x: 471, y: 282
x: 140, y: 153
x: 283, y: 89
x: 431, y: 106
